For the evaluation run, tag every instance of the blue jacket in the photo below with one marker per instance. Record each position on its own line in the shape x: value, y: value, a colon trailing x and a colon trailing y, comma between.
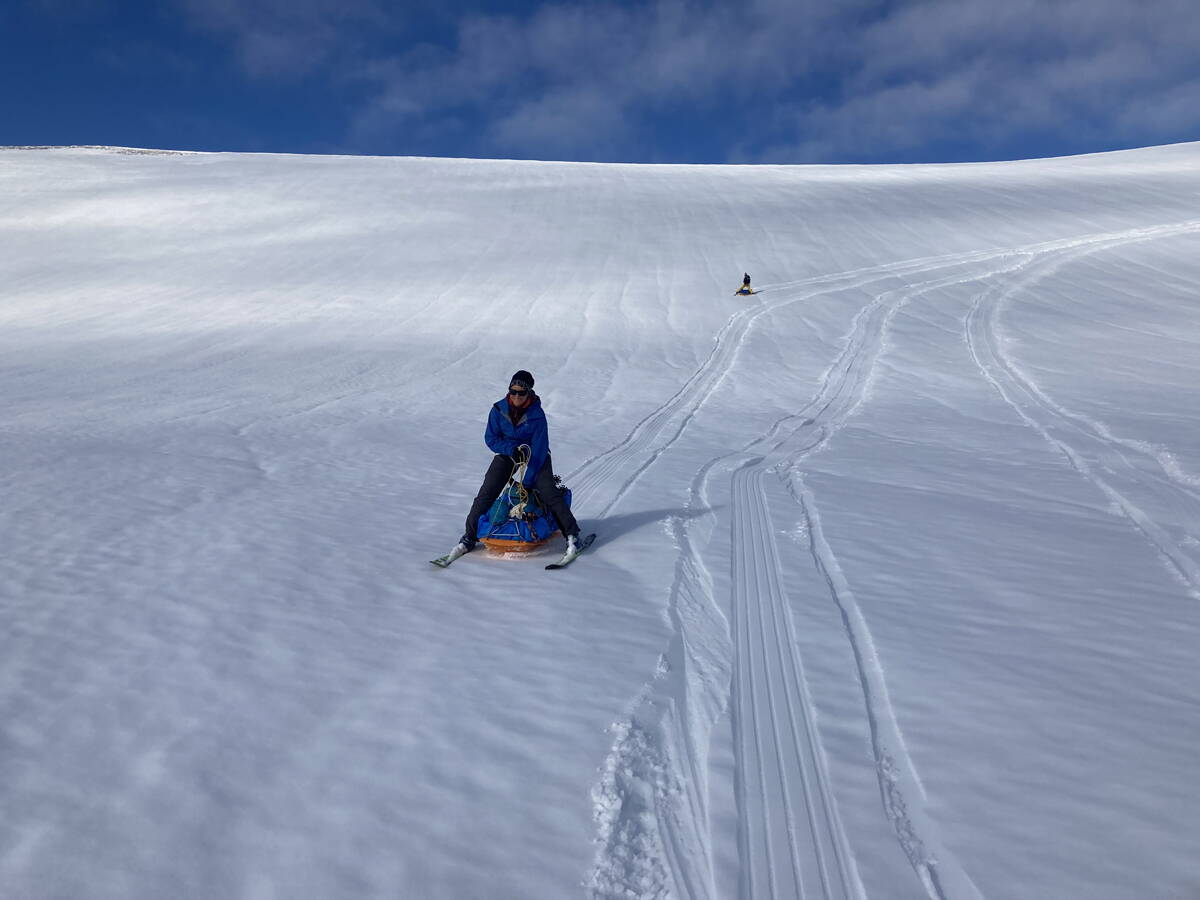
x: 503, y: 437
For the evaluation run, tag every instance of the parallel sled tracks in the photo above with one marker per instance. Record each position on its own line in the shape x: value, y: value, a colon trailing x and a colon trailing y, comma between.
x: 651, y: 805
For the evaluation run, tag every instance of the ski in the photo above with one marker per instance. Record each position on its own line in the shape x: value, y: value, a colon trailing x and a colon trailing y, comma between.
x: 443, y: 561
x: 568, y: 558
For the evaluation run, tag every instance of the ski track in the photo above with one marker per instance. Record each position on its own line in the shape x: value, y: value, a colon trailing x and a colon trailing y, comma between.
x: 842, y: 389
x: 687, y: 699
x: 794, y: 834
x: 1122, y: 469
x: 652, y: 825
x: 633, y: 831
x: 662, y: 427
x: 646, y: 442
x: 940, y: 874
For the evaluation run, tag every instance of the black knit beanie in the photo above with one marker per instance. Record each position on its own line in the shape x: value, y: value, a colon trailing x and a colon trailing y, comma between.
x: 522, y: 379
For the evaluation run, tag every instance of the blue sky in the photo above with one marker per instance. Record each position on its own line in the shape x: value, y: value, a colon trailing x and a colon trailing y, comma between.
x: 784, y: 81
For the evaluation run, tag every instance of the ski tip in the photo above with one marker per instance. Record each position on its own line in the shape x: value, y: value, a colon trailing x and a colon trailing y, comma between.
x: 584, y: 543
x: 443, y: 562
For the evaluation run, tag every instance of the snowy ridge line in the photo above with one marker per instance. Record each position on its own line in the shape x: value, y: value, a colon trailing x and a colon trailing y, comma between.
x: 131, y: 151
x: 820, y: 861
x: 1122, y: 478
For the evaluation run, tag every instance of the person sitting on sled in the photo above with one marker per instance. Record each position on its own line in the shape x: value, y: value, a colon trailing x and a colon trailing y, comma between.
x: 745, y: 281
x: 516, y: 432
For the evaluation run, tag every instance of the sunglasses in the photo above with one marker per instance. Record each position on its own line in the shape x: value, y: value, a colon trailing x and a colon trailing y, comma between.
x: 515, y: 392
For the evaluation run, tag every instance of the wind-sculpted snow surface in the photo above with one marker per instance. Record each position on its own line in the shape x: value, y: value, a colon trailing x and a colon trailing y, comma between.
x: 898, y: 581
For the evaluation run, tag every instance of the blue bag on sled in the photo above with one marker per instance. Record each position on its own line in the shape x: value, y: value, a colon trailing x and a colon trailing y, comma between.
x: 516, y: 523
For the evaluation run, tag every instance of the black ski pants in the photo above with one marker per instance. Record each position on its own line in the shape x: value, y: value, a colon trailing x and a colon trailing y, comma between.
x: 494, y: 482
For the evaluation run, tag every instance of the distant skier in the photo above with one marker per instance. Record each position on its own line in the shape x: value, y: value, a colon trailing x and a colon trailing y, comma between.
x: 745, y: 288
x: 516, y: 432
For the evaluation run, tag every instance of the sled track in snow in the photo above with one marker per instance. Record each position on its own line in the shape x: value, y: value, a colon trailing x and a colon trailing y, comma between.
x: 793, y: 835
x: 1133, y: 475
x: 792, y: 439
x: 842, y: 389
x: 661, y: 824
x: 677, y: 711
x: 662, y: 427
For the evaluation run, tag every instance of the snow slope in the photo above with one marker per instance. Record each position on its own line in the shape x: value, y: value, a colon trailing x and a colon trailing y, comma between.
x: 897, y: 588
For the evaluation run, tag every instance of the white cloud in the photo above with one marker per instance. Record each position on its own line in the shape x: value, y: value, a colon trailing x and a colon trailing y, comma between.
x: 997, y: 74
x: 565, y: 73
x: 563, y: 120
x: 814, y: 80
